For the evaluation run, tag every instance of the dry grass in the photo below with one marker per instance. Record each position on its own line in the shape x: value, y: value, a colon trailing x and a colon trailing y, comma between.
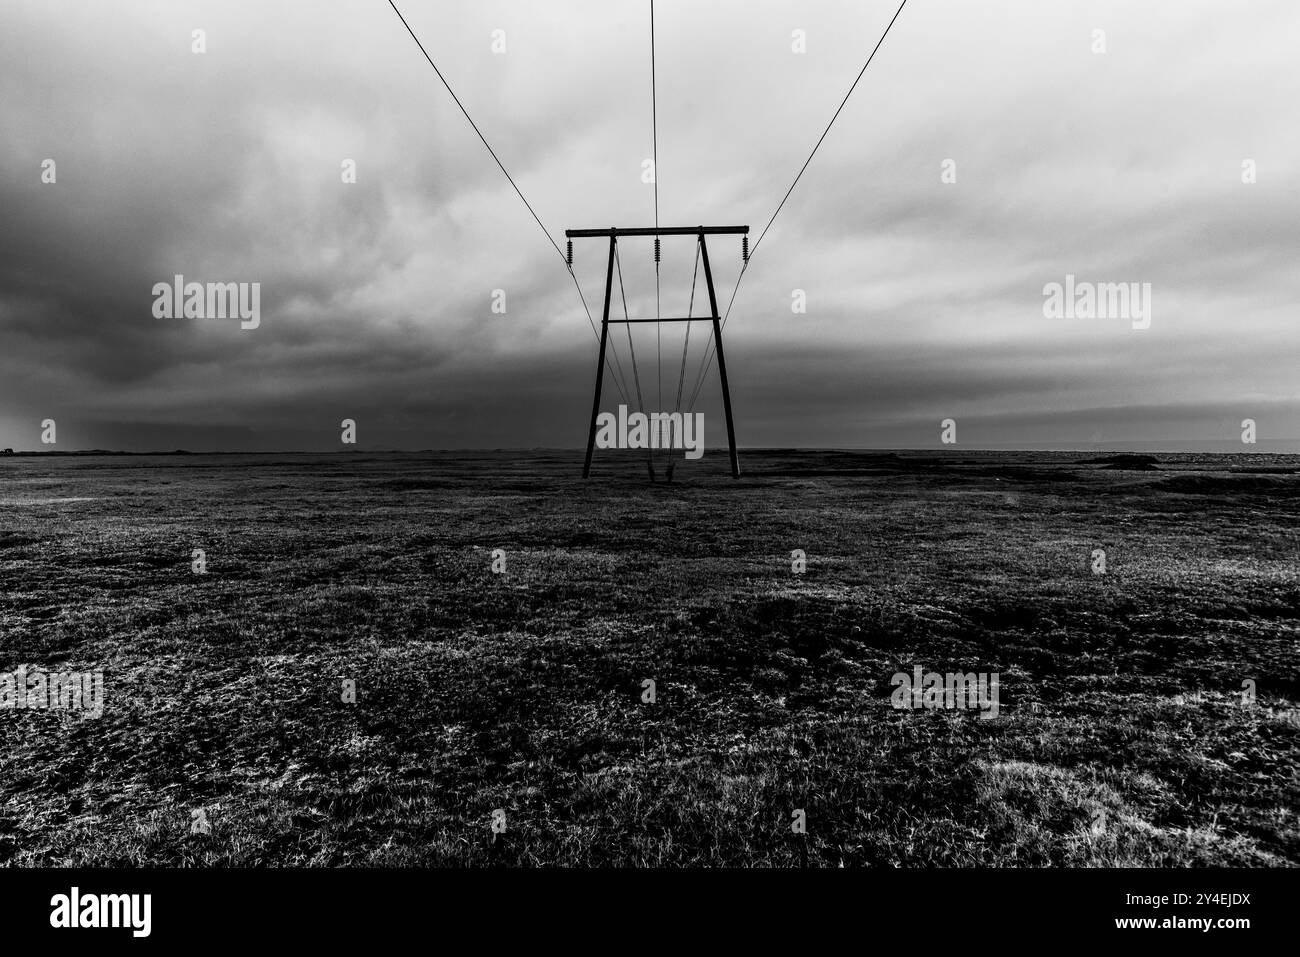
x: 1122, y: 739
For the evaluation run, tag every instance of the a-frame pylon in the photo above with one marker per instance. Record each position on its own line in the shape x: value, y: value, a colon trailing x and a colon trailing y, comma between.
x: 613, y: 234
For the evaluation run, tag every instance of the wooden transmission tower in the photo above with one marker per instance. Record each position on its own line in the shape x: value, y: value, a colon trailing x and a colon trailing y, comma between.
x: 613, y: 234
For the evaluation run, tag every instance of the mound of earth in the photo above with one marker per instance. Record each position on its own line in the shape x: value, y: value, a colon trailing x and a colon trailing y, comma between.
x: 1126, y: 462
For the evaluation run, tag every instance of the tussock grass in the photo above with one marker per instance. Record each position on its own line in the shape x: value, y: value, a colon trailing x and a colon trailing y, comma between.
x: 1122, y: 738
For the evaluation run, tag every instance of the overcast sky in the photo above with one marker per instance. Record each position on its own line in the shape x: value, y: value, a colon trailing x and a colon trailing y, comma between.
x: 924, y: 298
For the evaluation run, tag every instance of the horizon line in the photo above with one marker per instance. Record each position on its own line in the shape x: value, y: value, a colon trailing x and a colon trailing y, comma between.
x: 1127, y: 447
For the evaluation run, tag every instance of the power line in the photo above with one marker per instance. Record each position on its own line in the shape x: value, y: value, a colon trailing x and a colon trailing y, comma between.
x: 549, y: 238
x: 828, y: 129
x: 708, y: 353
x: 654, y: 131
x: 649, y: 451
x: 622, y: 387
x: 707, y: 359
x: 708, y: 356
x: 618, y: 262
x: 690, y: 311
x: 654, y: 109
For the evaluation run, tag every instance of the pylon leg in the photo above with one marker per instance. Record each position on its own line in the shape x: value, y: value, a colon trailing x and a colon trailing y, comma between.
x: 600, y: 362
x: 722, y: 361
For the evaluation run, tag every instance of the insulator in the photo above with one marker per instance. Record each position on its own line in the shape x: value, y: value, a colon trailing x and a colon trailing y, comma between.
x: 656, y: 249
x: 570, y: 257
x: 744, y: 248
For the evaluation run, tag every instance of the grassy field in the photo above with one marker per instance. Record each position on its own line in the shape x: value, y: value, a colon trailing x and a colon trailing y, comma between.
x: 1122, y: 737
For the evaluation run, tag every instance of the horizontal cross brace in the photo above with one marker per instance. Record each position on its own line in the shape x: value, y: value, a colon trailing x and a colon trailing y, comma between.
x: 655, y: 231
x: 673, y: 319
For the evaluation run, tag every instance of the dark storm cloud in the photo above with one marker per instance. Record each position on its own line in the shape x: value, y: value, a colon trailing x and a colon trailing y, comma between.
x: 924, y: 299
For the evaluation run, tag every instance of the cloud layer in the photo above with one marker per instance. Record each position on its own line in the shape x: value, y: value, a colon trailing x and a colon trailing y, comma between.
x: 924, y: 298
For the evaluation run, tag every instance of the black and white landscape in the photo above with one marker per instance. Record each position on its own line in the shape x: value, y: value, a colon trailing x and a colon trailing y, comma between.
x: 299, y: 563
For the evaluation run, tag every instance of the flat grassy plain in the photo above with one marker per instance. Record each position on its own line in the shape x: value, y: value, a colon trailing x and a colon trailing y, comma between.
x: 1122, y: 738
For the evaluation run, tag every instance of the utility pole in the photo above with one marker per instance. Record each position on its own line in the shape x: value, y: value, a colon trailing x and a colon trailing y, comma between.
x: 613, y: 234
